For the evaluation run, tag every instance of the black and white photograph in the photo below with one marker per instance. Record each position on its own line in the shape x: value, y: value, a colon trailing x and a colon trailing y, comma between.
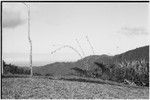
x: 74, y: 50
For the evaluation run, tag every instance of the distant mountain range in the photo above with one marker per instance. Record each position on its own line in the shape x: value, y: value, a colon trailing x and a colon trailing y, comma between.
x: 87, y: 63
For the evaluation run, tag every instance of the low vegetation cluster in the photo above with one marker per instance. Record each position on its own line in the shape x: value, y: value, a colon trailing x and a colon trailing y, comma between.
x: 135, y: 72
x: 132, y: 73
x: 9, y: 69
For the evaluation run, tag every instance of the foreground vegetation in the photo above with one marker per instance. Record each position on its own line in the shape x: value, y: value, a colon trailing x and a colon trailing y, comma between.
x: 10, y: 69
x: 39, y: 88
x: 127, y: 72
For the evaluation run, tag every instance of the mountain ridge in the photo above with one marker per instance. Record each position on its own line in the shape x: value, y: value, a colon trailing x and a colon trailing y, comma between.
x: 87, y: 63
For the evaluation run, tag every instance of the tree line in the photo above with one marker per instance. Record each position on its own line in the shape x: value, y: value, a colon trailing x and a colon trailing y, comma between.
x: 9, y: 69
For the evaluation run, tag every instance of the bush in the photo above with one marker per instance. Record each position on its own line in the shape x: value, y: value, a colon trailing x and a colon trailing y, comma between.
x: 13, y: 69
x: 118, y: 74
x: 98, y: 73
x: 80, y: 72
x: 135, y: 71
x: 49, y: 74
x: 37, y: 74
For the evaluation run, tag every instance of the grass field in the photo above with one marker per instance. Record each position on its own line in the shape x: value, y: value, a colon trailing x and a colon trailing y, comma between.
x: 40, y: 88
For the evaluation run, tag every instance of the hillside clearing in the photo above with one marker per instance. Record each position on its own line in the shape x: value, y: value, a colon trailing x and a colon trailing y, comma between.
x: 39, y: 88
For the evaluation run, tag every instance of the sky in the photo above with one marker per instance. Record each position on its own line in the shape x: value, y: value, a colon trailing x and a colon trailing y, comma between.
x: 111, y: 28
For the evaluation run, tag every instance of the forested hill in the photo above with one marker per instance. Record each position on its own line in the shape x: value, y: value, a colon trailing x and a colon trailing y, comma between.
x: 131, y: 55
x: 88, y: 62
x: 141, y: 53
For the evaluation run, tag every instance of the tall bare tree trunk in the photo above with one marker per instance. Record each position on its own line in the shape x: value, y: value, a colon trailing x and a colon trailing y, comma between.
x: 29, y: 38
x: 2, y: 67
x: 1, y: 41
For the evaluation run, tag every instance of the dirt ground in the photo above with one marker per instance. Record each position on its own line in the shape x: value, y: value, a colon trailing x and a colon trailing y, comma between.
x: 39, y: 88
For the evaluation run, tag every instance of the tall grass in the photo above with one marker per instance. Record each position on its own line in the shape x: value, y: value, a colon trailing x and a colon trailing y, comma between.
x: 134, y: 71
x: 129, y: 72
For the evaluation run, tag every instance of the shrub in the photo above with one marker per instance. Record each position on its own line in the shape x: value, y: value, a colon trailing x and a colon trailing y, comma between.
x: 118, y: 74
x: 97, y: 72
x: 13, y: 69
x: 49, y: 74
x: 135, y: 71
x: 80, y: 72
x: 36, y: 74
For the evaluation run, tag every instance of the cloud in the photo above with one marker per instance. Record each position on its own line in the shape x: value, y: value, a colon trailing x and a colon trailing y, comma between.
x: 132, y: 31
x: 12, y: 17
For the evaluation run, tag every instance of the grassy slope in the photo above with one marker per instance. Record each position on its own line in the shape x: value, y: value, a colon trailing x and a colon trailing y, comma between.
x: 26, y: 88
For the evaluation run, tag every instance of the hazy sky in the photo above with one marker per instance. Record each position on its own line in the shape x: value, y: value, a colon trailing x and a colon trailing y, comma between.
x: 112, y: 28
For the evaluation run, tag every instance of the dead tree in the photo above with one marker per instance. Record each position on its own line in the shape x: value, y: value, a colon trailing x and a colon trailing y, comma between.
x: 90, y: 45
x: 29, y: 38
x: 67, y: 46
x: 80, y: 47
